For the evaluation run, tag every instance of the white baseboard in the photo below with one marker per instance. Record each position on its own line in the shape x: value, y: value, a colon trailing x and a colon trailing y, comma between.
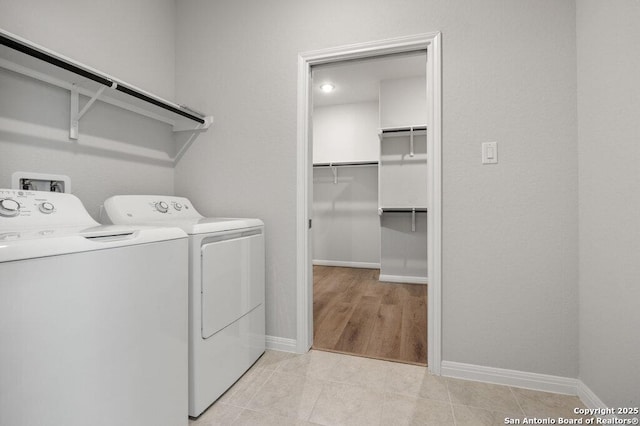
x: 501, y: 376
x: 403, y: 279
x: 591, y: 400
x: 365, y: 265
x: 281, y: 344
x: 523, y: 379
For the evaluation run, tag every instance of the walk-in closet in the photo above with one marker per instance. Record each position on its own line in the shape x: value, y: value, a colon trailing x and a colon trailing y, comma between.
x: 370, y: 207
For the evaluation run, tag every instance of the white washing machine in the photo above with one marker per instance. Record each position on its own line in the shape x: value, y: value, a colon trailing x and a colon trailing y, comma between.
x: 93, y: 319
x: 226, y: 289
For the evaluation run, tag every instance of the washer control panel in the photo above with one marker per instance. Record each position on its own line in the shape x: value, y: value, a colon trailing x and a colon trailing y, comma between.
x: 169, y: 205
x: 20, y: 209
x: 146, y: 208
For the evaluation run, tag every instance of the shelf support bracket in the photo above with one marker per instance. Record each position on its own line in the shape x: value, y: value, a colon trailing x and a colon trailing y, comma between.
x: 413, y: 220
x: 76, y: 115
x: 73, y: 116
x: 411, y: 142
x: 334, y: 170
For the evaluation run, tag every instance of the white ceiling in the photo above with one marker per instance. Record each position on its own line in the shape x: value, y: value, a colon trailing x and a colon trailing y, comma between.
x: 359, y: 81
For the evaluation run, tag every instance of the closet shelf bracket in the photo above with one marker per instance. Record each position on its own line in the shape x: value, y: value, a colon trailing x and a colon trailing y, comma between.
x: 334, y: 170
x: 74, y: 114
x: 411, y: 148
x: 413, y: 214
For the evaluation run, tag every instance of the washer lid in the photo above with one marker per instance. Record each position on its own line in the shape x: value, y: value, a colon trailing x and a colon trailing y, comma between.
x: 211, y: 224
x: 54, y: 241
x: 164, y: 210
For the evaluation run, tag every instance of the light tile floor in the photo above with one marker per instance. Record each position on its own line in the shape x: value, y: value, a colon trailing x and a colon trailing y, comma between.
x: 324, y: 388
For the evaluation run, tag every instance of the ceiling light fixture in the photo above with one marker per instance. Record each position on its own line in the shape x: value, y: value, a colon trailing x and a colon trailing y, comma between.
x: 327, y: 87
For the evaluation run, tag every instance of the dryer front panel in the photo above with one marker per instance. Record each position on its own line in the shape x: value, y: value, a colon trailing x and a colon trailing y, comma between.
x: 232, y: 279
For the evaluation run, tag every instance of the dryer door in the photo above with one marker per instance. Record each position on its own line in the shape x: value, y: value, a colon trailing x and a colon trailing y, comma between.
x: 232, y: 279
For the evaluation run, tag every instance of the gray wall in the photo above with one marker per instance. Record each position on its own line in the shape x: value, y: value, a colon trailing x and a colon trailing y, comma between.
x: 115, y: 151
x: 346, y: 133
x: 403, y: 248
x: 346, y: 225
x: 510, y: 231
x: 609, y: 155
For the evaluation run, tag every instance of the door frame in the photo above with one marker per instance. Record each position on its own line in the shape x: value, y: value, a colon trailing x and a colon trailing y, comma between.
x: 431, y: 42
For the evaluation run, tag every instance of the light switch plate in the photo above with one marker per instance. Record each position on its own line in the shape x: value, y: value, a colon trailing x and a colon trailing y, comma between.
x: 489, y: 152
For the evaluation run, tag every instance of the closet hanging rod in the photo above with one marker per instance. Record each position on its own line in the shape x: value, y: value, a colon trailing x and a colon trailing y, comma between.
x: 28, y: 50
x: 389, y: 130
x: 361, y: 163
x: 147, y: 98
x: 402, y: 210
x: 33, y: 51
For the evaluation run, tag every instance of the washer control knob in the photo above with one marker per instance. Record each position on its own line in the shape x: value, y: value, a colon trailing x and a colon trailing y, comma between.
x: 177, y: 206
x: 9, y: 207
x: 162, y: 207
x: 46, y: 207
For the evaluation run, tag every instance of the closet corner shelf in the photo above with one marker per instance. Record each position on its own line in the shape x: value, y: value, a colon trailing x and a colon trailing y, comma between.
x: 27, y: 58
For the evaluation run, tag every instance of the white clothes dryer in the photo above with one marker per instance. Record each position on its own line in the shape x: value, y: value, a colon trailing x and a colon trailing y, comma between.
x: 93, y: 319
x: 226, y: 289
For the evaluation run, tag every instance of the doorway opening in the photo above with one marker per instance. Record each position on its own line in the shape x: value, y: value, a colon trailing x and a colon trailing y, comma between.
x: 388, y: 208
x: 369, y: 234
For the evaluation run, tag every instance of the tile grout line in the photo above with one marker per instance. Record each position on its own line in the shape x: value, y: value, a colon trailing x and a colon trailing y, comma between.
x: 517, y: 401
x: 278, y: 370
x: 453, y: 414
x: 265, y: 414
x: 256, y: 392
x: 492, y: 409
x: 254, y: 367
x: 238, y: 416
x: 315, y: 403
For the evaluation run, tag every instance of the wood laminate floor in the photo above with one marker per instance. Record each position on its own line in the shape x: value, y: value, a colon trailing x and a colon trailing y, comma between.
x: 354, y: 313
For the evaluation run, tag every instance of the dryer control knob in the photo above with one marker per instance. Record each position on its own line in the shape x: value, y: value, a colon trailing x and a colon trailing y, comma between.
x: 162, y: 207
x: 177, y: 206
x: 9, y: 207
x: 46, y: 207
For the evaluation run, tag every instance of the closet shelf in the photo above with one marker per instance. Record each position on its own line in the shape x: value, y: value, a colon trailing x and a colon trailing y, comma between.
x: 412, y: 210
x: 27, y: 58
x: 334, y: 166
x: 347, y: 164
x: 402, y: 210
x: 394, y: 132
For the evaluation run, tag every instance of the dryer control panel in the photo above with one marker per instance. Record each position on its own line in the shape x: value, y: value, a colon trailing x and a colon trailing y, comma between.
x: 126, y: 209
x: 21, y: 209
